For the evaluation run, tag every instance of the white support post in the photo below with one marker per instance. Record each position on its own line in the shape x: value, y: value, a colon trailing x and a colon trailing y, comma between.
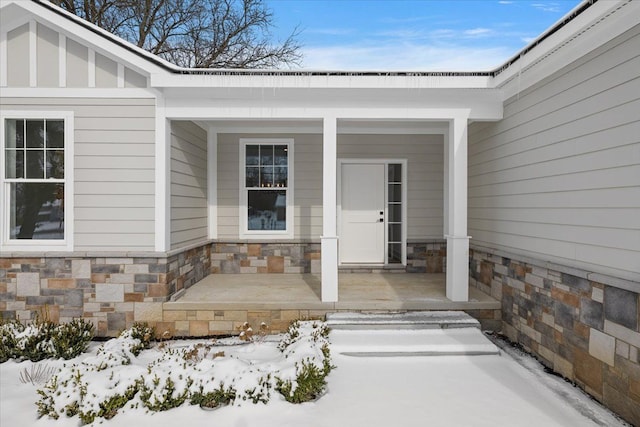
x: 457, y: 239
x: 212, y: 181
x: 163, y: 172
x: 329, y: 238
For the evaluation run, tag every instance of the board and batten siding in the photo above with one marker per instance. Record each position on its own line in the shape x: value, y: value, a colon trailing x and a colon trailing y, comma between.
x: 114, y: 147
x: 558, y: 179
x: 425, y: 179
x: 188, y: 184
x: 75, y: 55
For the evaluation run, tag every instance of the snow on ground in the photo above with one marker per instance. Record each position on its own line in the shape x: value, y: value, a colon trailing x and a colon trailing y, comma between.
x: 408, y: 390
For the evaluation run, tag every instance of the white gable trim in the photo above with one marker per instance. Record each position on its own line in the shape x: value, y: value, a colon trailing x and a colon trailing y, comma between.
x: 62, y: 60
x: 90, y: 35
x: 3, y: 59
x: 33, y: 53
x: 76, y: 92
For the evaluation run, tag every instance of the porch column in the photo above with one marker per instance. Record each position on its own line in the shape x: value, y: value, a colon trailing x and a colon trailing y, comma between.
x: 329, y: 238
x: 456, y: 223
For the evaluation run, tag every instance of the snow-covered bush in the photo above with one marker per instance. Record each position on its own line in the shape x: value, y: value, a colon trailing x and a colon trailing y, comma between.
x: 100, y: 385
x: 44, y: 339
x: 121, y: 350
x: 306, y: 344
x: 115, y: 377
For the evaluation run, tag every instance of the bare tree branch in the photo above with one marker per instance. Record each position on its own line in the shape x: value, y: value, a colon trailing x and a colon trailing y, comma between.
x: 192, y: 33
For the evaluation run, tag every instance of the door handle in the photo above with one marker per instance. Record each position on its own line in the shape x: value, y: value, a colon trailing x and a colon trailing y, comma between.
x: 381, y: 220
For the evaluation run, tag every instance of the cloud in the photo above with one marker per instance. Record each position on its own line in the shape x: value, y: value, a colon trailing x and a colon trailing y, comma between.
x: 478, y: 32
x: 505, y: 2
x: 547, y: 7
x: 330, y: 31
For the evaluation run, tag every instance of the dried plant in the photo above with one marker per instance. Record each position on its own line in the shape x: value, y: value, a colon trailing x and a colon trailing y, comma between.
x: 37, y: 374
x: 247, y: 333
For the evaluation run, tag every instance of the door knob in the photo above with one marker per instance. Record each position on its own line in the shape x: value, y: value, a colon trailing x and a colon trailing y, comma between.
x: 381, y: 219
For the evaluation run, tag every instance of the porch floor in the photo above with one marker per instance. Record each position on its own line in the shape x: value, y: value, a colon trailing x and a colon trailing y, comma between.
x: 356, y: 291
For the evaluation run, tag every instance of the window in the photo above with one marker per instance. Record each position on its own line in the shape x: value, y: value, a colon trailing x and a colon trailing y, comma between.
x: 266, y: 194
x: 35, y: 193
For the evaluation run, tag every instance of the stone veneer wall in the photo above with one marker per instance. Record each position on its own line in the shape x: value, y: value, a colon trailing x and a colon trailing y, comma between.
x: 585, y: 330
x: 427, y: 257
x: 304, y: 257
x: 111, y: 291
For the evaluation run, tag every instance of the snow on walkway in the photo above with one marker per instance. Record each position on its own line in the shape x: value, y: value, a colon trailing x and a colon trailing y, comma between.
x: 405, y: 390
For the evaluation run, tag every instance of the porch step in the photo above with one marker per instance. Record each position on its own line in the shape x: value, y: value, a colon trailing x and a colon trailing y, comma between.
x: 412, y: 333
x: 406, y: 320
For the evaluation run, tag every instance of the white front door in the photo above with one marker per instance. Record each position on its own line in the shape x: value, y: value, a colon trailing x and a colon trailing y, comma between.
x: 362, y: 238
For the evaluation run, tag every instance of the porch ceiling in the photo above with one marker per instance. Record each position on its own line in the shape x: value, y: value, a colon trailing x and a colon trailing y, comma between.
x: 392, y: 291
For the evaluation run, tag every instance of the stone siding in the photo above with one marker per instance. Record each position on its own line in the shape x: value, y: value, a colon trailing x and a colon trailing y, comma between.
x: 428, y: 257
x: 252, y: 258
x: 112, y: 292
x: 263, y: 258
x: 584, y: 330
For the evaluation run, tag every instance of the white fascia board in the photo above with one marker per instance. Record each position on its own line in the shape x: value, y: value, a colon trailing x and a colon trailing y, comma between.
x: 68, y: 92
x: 221, y: 112
x: 488, y: 108
x: 596, y: 26
x: 75, y: 28
x: 260, y: 79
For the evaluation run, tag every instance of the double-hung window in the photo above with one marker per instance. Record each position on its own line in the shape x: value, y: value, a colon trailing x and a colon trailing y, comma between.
x: 266, y: 192
x: 35, y: 184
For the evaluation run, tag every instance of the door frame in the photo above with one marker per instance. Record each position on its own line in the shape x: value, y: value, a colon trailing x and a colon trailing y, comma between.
x: 385, y: 162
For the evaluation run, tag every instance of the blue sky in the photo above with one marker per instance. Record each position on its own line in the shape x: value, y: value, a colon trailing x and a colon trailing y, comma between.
x: 454, y: 35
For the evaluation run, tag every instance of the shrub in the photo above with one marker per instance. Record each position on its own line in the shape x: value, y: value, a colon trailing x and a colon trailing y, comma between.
x: 44, y: 339
x: 213, y: 399
x: 307, y: 344
x: 310, y: 384
x: 99, y: 386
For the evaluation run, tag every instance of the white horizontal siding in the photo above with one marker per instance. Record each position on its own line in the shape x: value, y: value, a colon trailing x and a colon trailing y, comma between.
x: 425, y: 176
x: 188, y: 184
x: 558, y: 178
x: 425, y: 163
x: 114, y: 171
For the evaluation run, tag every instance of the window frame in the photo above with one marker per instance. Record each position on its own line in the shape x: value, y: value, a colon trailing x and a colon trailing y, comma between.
x: 244, y: 232
x: 37, y: 245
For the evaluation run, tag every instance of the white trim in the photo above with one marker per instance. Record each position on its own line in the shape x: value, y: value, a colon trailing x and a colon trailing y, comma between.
x: 244, y: 232
x: 329, y: 177
x: 33, y: 54
x: 7, y: 245
x: 489, y: 110
x: 68, y: 92
x: 212, y: 182
x: 457, y: 275
x: 405, y: 202
x: 120, y: 78
x: 445, y: 183
x: 374, y: 128
x: 62, y: 60
x: 329, y: 238
x: 4, y: 62
x: 91, y: 68
x: 162, y: 179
